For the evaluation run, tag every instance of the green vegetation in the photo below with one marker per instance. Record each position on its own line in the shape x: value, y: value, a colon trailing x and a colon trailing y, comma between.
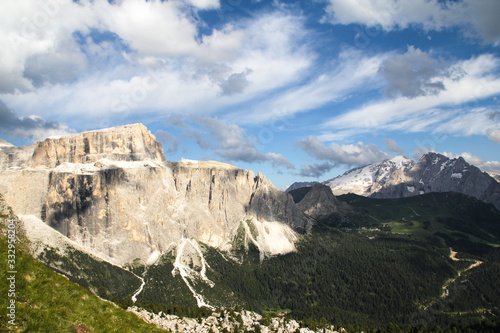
x: 109, y: 281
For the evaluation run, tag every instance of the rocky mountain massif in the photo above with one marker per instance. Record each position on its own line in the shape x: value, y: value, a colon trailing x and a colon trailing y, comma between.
x: 401, y: 177
x: 112, y: 192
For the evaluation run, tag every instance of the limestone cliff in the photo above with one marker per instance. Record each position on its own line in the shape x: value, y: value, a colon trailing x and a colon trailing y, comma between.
x: 112, y: 192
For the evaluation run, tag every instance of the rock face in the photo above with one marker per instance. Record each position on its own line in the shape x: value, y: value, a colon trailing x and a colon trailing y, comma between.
x: 124, y: 143
x: 112, y: 192
x: 320, y: 202
x: 401, y: 177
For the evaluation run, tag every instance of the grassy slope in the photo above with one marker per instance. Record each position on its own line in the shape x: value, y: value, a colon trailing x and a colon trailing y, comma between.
x: 49, y: 302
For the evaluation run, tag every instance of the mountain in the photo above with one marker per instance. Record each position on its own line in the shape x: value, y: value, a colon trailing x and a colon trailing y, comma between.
x: 495, y: 175
x: 371, y: 178
x: 4, y: 143
x: 319, y: 202
x: 401, y: 177
x: 297, y: 185
x: 112, y: 192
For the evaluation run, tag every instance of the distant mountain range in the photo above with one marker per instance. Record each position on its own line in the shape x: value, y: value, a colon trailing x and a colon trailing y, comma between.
x: 401, y: 177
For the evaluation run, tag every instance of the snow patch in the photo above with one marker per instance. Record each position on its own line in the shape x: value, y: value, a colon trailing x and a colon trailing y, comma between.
x: 410, y: 189
x: 456, y: 175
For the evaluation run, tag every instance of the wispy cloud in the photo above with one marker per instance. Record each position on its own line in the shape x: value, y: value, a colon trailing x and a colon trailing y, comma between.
x: 393, y: 146
x: 345, y: 74
x: 228, y: 141
x: 435, y: 112
x: 480, y: 17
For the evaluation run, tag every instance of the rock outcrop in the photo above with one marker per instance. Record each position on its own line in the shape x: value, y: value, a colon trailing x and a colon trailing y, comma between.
x: 125, y: 143
x: 320, y: 202
x: 113, y: 193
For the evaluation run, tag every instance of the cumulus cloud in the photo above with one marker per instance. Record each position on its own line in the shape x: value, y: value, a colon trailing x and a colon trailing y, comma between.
x: 130, y: 56
x: 412, y: 74
x: 393, y: 147
x: 349, y: 155
x: 32, y: 127
x: 493, y: 134
x: 479, y: 16
x: 315, y: 170
x: 235, y: 83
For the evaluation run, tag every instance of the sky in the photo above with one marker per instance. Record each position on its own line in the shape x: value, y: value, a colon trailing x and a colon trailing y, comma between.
x: 298, y: 90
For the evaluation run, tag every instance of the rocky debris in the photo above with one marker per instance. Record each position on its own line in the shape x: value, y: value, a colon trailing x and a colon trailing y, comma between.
x: 111, y: 192
x: 225, y: 319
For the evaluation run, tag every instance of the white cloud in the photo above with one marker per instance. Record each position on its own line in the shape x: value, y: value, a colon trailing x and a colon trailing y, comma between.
x: 32, y: 127
x: 345, y: 75
x: 440, y: 112
x: 205, y: 4
x: 315, y: 170
x: 349, y: 155
x: 479, y: 16
x: 158, y: 65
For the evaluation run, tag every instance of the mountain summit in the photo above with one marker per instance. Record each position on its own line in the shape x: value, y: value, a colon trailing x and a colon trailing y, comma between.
x: 112, y: 192
x: 401, y: 177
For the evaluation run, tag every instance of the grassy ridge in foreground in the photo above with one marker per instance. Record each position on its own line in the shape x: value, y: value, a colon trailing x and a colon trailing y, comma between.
x: 48, y: 302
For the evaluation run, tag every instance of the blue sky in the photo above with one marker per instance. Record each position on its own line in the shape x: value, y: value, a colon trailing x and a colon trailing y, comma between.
x: 300, y: 90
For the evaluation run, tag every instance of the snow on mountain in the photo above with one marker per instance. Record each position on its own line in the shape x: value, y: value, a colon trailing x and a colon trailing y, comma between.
x: 370, y: 178
x: 401, y: 177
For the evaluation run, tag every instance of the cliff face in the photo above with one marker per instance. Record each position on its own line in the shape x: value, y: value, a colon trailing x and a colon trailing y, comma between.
x: 124, y: 143
x: 125, y: 202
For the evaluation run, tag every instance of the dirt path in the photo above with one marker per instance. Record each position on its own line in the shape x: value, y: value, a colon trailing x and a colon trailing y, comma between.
x: 453, y: 256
